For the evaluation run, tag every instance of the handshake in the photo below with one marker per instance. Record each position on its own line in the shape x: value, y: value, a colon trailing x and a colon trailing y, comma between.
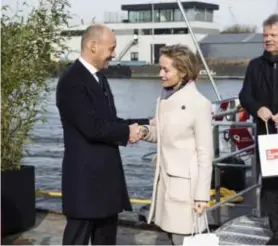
x: 135, y: 133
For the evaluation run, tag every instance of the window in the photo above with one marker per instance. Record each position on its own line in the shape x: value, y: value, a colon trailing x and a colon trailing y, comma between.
x: 147, y: 31
x: 162, y: 31
x: 177, y: 15
x: 134, y: 56
x: 140, y: 16
x: 209, y: 15
x: 200, y: 15
x: 166, y: 15
x: 146, y: 16
x: 156, y: 15
x: 191, y: 14
x: 133, y: 16
x: 180, y: 30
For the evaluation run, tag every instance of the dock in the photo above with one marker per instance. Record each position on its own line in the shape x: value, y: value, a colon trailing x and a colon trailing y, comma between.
x: 49, y: 229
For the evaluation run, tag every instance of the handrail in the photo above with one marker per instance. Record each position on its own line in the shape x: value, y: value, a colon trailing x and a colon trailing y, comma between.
x: 230, y: 165
x: 233, y: 123
x: 225, y: 113
x: 219, y: 204
x: 199, y: 50
x: 221, y: 158
x: 225, y: 100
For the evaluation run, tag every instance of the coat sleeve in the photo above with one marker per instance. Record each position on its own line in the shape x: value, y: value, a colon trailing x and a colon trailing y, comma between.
x: 246, y: 97
x: 152, y: 133
x: 75, y: 105
x: 204, y: 147
x: 132, y: 121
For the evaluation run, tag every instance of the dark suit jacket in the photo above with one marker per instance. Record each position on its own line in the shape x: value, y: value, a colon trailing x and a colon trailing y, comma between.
x: 93, y: 182
x: 260, y: 88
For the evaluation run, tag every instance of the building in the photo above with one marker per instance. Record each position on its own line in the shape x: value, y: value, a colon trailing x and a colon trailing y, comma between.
x: 148, y: 27
x: 232, y: 46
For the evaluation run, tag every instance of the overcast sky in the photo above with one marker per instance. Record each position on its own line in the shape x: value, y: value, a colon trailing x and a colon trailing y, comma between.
x: 249, y: 12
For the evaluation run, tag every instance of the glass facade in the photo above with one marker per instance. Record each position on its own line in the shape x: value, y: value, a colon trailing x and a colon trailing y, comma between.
x: 168, y: 15
x: 140, y: 16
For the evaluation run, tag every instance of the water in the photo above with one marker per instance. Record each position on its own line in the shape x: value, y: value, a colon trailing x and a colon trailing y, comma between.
x: 133, y: 98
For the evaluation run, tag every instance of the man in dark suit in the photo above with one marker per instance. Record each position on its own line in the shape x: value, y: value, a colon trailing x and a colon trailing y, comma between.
x: 259, y: 96
x: 93, y: 183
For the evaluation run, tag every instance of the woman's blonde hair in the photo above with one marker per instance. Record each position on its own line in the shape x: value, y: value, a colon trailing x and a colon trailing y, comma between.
x: 184, y: 60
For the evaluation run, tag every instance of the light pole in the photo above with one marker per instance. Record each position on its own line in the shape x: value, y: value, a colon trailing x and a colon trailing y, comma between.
x: 152, y: 48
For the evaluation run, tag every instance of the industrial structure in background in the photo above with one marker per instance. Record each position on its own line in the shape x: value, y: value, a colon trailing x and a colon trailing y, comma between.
x: 144, y: 28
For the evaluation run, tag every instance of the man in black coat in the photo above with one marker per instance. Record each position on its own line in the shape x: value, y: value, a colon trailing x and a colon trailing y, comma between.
x: 259, y: 96
x: 93, y: 183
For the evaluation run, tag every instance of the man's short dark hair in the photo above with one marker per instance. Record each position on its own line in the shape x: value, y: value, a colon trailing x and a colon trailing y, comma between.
x: 271, y: 20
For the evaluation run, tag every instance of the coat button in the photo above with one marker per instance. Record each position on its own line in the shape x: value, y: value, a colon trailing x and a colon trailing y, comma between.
x: 182, y: 107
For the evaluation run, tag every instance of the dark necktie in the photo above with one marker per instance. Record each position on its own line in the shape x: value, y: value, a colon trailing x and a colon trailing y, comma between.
x: 102, y: 82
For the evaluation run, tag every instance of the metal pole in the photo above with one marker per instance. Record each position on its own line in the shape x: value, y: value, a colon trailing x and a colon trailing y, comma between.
x: 152, y: 58
x: 199, y: 50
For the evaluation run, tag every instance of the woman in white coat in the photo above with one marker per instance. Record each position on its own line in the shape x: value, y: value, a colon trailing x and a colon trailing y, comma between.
x: 182, y: 130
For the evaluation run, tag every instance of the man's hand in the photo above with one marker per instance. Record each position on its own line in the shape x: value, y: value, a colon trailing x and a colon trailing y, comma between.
x: 264, y: 114
x: 134, y: 133
x: 275, y: 119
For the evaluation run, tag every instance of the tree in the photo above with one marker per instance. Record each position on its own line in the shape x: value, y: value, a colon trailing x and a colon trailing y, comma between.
x: 240, y: 29
x: 27, y: 46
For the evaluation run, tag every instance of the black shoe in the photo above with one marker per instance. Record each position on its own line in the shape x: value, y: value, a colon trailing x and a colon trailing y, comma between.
x: 273, y: 240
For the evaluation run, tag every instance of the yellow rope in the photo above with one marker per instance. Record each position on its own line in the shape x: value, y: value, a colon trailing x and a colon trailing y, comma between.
x: 224, y: 193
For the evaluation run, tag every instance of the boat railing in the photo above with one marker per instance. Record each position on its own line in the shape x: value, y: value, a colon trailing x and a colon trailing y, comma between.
x: 229, y: 99
x: 218, y: 164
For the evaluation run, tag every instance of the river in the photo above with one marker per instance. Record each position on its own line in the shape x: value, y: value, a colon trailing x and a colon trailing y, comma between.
x: 133, y: 98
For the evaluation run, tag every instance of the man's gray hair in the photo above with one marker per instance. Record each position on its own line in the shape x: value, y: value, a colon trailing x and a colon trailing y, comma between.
x: 271, y: 20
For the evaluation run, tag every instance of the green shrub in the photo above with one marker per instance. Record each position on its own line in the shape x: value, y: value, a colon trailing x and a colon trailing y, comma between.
x: 28, y: 44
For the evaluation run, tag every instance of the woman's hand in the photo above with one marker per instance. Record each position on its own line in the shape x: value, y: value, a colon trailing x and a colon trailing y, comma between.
x: 200, y: 207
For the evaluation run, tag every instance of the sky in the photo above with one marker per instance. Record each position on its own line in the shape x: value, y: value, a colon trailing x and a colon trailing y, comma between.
x: 246, y: 12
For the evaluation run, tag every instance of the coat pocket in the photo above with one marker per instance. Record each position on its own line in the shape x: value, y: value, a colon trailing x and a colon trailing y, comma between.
x: 178, y: 189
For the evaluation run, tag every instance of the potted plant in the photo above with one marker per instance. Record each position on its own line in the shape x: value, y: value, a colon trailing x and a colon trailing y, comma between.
x: 28, y: 43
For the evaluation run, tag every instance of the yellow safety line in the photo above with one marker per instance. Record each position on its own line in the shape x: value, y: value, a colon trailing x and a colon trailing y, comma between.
x: 59, y: 194
x: 225, y: 193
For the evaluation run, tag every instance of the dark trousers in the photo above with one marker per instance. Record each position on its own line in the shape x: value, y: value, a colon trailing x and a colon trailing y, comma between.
x: 101, y: 231
x: 270, y: 198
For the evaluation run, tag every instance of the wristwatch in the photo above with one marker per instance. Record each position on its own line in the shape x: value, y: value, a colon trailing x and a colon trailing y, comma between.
x: 145, y: 131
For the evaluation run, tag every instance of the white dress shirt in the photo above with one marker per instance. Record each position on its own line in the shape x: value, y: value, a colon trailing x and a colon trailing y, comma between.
x: 89, y: 67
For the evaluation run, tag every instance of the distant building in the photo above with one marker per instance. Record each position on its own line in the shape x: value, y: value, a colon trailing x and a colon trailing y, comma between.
x: 148, y: 27
x: 232, y: 46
